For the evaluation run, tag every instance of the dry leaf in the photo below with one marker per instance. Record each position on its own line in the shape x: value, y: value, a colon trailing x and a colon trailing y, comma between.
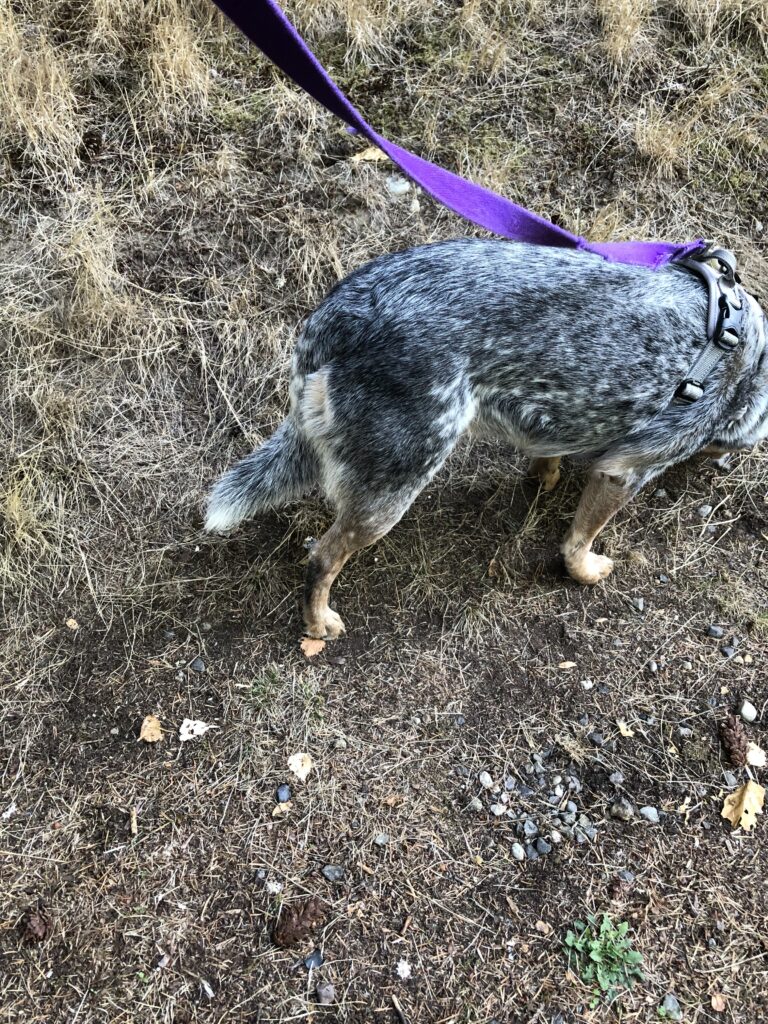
x: 742, y: 807
x: 624, y: 728
x: 298, y: 922
x: 190, y: 729
x: 718, y: 1002
x: 72, y: 624
x: 371, y: 154
x: 310, y: 646
x: 301, y: 765
x: 755, y: 756
x: 393, y: 800
x: 280, y: 809
x: 567, y: 664
x: 151, y: 730
x: 35, y: 925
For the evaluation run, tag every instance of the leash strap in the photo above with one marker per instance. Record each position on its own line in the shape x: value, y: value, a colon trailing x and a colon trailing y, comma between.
x: 265, y: 24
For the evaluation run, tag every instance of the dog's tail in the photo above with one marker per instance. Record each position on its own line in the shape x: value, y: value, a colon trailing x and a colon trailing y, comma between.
x: 281, y: 470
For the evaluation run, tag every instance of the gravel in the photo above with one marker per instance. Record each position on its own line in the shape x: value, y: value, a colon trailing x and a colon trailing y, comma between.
x: 283, y: 794
x: 333, y: 872
x: 485, y: 780
x: 650, y: 814
x: 475, y: 805
x: 325, y: 993
x: 748, y: 711
x: 197, y: 664
x: 715, y: 631
x: 671, y: 1007
x: 518, y: 851
x: 616, y: 778
x: 543, y: 846
x: 622, y: 809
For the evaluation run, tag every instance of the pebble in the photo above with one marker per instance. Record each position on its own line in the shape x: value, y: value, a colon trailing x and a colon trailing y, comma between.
x: 283, y: 794
x: 627, y: 876
x: 616, y: 778
x: 333, y: 872
x: 748, y: 711
x: 584, y: 720
x: 475, y: 805
x: 530, y: 828
x: 325, y: 993
x: 730, y: 778
x: 518, y: 851
x: 198, y: 665
x: 573, y: 784
x: 531, y: 852
x: 382, y: 839
x: 638, y: 604
x: 622, y: 809
x: 340, y: 743
x: 485, y: 780
x: 703, y: 511
x: 498, y: 809
x: 717, y: 632
x: 559, y: 791
x: 525, y: 791
x: 671, y: 1007
x: 596, y: 739
x: 397, y: 186
x: 687, y: 666
x: 587, y: 684
x: 650, y: 814
x: 510, y: 783
x: 315, y: 959
x: 543, y: 846
x: 460, y: 720
x: 663, y: 578
x: 660, y: 493
x: 685, y: 732
x: 584, y: 822
x: 114, y: 732
x: 571, y: 807
x: 579, y: 836
x: 555, y: 836
x: 653, y: 667
x: 206, y: 627
x: 728, y: 652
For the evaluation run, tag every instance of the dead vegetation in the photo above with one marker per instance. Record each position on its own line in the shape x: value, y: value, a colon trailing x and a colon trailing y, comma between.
x: 170, y: 209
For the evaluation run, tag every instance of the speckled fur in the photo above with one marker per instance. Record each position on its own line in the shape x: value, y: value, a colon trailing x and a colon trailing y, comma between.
x: 558, y: 352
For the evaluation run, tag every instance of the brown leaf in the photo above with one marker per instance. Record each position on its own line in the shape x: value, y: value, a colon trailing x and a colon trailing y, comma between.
x: 393, y: 800
x: 718, y: 1002
x: 742, y: 807
x: 151, y: 730
x: 624, y: 729
x: 371, y: 154
x: 35, y: 925
x: 756, y: 756
x: 298, y: 922
x: 567, y: 664
x: 310, y: 646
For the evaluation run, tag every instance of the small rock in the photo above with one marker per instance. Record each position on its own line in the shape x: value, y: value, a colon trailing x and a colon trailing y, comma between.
x: 460, y: 720
x: 543, y: 847
x: 530, y: 828
x: 579, y: 836
x: 660, y: 493
x: 559, y: 791
x: 622, y: 809
x: 573, y: 784
x: 568, y: 817
x: 485, y: 780
x: 571, y: 807
x: 587, y: 684
x: 584, y: 720
x: 283, y: 794
x: 525, y: 791
x: 596, y: 739
x: 340, y: 743
x: 616, y: 778
x: 650, y: 814
x: 685, y: 732
x: 518, y: 852
x: 671, y: 1007
x: 555, y: 836
x: 717, y: 632
x: 627, y: 876
x: 584, y: 822
x: 197, y: 665
x: 206, y: 627
x: 333, y: 872
x: 114, y: 732
x: 687, y: 666
x: 638, y: 604
x: 397, y: 186
x: 382, y: 839
x: 510, y: 783
x: 730, y: 779
x: 591, y: 832
x: 663, y: 578
x: 727, y: 652
x: 531, y: 852
x: 748, y: 711
x: 314, y: 960
x: 475, y: 805
x: 653, y: 667
x: 325, y: 993
x: 703, y: 511
x: 498, y: 809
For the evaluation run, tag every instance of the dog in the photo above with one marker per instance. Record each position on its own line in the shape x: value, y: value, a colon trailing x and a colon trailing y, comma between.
x: 558, y: 352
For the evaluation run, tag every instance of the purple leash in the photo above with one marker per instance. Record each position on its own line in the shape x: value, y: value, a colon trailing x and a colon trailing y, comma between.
x: 267, y: 26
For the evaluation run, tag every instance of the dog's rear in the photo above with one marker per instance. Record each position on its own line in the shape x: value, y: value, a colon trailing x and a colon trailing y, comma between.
x: 558, y: 352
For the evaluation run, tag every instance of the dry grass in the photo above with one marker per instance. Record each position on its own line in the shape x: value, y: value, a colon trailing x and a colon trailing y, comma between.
x: 170, y: 210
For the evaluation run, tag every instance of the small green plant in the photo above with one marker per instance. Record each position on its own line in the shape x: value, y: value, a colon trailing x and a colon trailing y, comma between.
x: 603, y: 956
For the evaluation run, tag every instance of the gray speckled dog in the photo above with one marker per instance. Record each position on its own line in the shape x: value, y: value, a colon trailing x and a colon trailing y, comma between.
x: 558, y: 352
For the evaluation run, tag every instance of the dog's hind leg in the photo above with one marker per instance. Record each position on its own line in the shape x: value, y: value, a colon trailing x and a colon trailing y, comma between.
x: 547, y: 470
x: 601, y: 499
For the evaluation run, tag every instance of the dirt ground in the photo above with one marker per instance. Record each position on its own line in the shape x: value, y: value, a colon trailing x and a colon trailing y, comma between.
x: 170, y: 208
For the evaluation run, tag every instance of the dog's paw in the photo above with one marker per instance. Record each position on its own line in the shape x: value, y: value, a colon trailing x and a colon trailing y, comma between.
x: 328, y: 628
x: 590, y: 568
x: 546, y: 471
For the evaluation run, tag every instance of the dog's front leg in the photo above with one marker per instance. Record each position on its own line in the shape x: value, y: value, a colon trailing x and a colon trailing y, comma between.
x: 603, y: 496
